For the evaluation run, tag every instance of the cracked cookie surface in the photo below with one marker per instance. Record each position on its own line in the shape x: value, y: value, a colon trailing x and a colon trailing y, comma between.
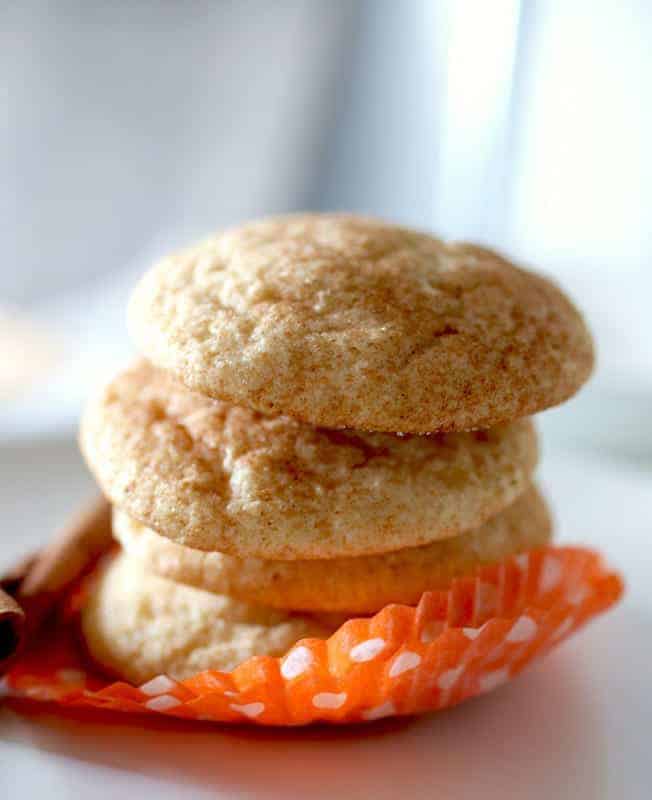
x: 214, y: 476
x: 345, y: 321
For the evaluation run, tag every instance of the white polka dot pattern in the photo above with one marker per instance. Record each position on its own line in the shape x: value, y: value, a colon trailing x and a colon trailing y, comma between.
x: 492, y: 680
x: 578, y: 595
x: 449, y: 678
x: 441, y: 648
x: 404, y: 662
x: 329, y: 700
x: 387, y: 709
x: 523, y: 630
x: 296, y: 662
x: 367, y: 650
x: 563, y: 629
x: 158, y: 685
x: 251, y: 710
x: 486, y: 597
x: 164, y: 702
x: 551, y: 573
x: 431, y: 631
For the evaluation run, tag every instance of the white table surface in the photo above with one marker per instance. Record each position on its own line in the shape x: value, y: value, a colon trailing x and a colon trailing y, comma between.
x: 576, y: 726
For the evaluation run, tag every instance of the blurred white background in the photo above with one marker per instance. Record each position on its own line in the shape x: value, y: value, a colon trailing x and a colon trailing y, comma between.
x: 130, y: 128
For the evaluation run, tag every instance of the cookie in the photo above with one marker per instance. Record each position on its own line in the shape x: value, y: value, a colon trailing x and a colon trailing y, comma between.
x: 355, y: 585
x: 213, y: 476
x: 344, y: 321
x: 138, y: 625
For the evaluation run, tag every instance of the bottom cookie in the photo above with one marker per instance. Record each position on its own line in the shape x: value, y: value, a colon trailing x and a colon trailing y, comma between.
x: 137, y: 625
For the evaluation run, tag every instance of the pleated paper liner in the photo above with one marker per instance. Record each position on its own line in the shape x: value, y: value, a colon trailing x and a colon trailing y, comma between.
x: 404, y: 660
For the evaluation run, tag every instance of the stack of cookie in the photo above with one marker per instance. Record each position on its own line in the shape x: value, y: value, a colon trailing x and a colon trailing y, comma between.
x: 333, y: 416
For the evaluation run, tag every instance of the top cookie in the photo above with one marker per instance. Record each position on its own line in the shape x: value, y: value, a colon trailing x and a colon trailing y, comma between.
x: 344, y: 321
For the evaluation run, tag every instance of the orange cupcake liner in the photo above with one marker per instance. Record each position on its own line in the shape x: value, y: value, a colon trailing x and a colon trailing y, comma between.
x: 404, y: 660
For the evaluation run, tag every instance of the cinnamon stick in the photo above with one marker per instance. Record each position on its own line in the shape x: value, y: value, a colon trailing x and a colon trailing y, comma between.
x: 12, y: 624
x: 71, y: 551
x: 30, y: 591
